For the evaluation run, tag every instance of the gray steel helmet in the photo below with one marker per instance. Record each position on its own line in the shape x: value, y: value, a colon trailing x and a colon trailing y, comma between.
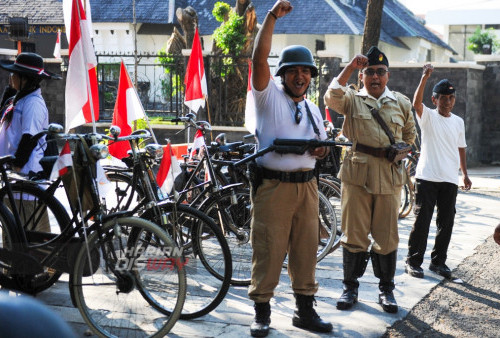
x: 296, y: 56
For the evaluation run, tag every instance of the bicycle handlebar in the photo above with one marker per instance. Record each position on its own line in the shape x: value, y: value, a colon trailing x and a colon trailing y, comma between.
x: 190, y: 122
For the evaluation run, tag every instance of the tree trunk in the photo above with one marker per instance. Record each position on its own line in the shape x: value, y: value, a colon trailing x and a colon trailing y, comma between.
x: 373, y: 20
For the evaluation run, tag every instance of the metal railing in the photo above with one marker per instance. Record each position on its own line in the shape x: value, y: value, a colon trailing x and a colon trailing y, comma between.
x: 160, y: 85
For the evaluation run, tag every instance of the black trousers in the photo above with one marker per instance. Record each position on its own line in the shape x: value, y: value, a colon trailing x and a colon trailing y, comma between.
x: 428, y: 195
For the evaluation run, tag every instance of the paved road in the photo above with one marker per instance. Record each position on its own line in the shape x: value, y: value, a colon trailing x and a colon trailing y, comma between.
x: 477, y: 215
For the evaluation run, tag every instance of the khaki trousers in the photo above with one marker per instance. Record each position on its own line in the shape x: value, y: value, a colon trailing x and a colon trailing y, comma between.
x: 363, y: 214
x: 284, y: 220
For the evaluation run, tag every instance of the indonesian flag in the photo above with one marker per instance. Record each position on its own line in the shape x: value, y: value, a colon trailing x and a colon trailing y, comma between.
x: 128, y: 108
x: 198, y: 142
x: 81, y: 80
x: 327, y: 115
x: 250, y: 119
x: 62, y: 163
x: 168, y: 171
x: 57, y: 48
x: 195, y: 79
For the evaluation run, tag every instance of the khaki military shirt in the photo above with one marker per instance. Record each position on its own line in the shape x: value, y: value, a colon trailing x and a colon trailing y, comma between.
x: 377, y: 175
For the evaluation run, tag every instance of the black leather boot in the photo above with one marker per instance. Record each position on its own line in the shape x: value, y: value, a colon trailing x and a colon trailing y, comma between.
x: 306, y: 317
x: 260, y: 325
x: 354, y: 268
x: 384, y: 268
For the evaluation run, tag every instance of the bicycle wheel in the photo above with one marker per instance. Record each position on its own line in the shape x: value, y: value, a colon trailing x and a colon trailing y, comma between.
x: 114, y: 295
x: 327, y: 227
x: 40, y: 213
x: 8, y: 241
x: 331, y: 190
x: 208, y: 258
x: 123, y: 195
x: 231, y: 212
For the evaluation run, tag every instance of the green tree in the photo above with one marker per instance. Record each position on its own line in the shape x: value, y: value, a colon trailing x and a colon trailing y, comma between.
x: 229, y: 36
x: 483, y: 40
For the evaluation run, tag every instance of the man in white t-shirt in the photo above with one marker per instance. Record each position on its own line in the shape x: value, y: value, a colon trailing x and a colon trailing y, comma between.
x: 442, y: 153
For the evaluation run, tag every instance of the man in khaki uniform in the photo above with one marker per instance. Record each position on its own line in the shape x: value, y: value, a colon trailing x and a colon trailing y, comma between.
x: 371, y: 184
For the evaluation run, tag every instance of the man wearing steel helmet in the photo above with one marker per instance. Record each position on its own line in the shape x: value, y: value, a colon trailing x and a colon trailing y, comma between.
x: 371, y: 184
x: 443, y: 152
x: 285, y: 204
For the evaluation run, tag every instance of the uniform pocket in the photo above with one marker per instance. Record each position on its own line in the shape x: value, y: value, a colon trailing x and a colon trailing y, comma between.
x: 362, y: 123
x: 397, y: 125
x: 354, y: 171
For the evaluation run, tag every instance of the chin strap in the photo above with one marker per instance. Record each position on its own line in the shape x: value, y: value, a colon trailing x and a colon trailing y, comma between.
x: 289, y: 92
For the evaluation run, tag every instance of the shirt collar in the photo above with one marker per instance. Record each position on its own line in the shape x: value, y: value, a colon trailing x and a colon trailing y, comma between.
x: 386, y: 94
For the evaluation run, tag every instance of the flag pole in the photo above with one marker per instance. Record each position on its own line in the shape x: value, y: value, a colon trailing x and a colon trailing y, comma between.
x: 91, y: 101
x: 208, y: 118
x: 147, y: 121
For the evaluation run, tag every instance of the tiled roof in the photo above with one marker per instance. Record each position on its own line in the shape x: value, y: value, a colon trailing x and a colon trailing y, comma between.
x: 328, y: 17
x: 37, y: 11
x: 344, y: 17
x: 146, y: 11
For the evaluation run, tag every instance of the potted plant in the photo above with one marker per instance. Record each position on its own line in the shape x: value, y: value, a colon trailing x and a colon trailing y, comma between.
x: 483, y: 41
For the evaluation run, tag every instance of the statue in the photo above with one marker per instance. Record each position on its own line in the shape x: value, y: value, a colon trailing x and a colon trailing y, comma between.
x: 188, y: 19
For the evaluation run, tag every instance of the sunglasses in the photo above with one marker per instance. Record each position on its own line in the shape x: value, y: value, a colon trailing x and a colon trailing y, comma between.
x: 378, y: 71
x: 298, y: 113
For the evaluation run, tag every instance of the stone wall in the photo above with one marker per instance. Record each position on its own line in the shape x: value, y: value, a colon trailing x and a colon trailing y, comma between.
x: 488, y: 136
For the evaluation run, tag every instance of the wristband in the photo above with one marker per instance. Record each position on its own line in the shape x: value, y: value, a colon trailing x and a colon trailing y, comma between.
x: 271, y: 12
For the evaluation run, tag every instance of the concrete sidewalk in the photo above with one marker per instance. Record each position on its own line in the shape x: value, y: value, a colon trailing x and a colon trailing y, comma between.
x: 477, y: 215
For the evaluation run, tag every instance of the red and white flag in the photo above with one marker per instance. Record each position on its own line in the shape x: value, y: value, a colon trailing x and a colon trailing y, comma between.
x: 62, y: 163
x: 168, y: 171
x: 198, y: 142
x: 195, y: 79
x: 57, y: 48
x: 250, y: 119
x: 82, y: 99
x: 128, y: 108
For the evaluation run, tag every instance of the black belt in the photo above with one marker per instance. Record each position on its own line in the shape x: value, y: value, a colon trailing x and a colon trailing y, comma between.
x: 377, y: 152
x: 288, y: 176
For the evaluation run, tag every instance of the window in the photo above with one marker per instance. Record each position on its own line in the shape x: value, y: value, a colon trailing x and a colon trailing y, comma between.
x: 320, y: 45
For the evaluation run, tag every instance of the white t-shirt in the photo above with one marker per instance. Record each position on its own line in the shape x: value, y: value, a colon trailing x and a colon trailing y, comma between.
x: 30, y: 117
x: 441, y: 137
x: 275, y: 112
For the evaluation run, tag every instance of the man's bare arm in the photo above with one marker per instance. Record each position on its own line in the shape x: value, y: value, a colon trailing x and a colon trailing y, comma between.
x: 260, y: 68
x: 463, y: 168
x: 419, y: 93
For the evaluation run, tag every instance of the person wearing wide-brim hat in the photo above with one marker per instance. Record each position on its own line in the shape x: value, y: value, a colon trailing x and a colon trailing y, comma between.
x: 24, y: 114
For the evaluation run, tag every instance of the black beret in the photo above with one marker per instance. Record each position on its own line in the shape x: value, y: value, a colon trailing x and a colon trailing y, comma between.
x: 376, y: 57
x: 444, y: 87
